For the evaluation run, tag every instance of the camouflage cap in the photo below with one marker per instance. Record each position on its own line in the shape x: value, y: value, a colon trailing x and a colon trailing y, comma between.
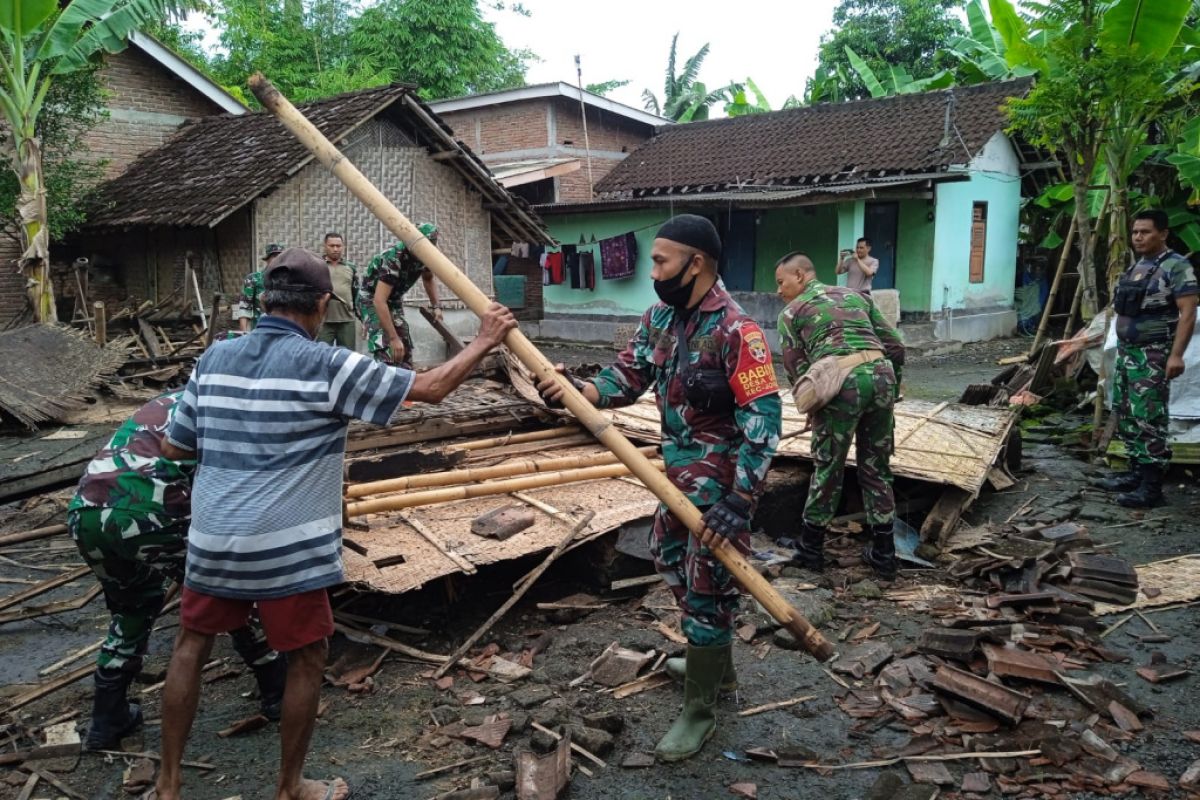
x: 273, y: 249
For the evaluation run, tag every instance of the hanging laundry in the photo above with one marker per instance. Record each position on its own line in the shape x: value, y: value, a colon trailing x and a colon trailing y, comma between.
x: 618, y: 256
x: 587, y: 269
x: 554, y: 265
x: 500, y: 266
x: 545, y: 270
x: 571, y: 264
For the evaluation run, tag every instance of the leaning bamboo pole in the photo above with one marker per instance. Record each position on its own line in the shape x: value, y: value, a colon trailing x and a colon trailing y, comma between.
x: 396, y: 502
x: 1048, y: 311
x: 526, y: 466
x: 596, y: 422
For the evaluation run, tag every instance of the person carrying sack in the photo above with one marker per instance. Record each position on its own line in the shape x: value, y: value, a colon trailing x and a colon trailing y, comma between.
x: 834, y: 343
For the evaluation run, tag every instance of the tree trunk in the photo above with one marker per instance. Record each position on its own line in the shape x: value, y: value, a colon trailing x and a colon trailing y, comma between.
x: 35, y: 233
x: 1081, y: 176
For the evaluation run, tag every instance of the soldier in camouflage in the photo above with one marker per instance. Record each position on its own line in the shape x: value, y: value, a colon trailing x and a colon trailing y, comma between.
x: 129, y: 518
x: 713, y: 379
x: 835, y: 321
x: 381, y: 299
x: 1155, y: 302
x: 248, y: 310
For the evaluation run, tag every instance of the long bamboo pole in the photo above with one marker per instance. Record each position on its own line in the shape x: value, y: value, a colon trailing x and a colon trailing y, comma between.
x: 596, y: 422
x: 395, y: 502
x: 1040, y: 336
x: 526, y: 466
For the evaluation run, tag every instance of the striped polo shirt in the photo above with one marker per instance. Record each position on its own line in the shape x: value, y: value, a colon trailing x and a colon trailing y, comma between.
x: 268, y: 413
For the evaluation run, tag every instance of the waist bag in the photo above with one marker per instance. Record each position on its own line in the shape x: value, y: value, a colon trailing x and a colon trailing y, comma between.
x: 825, y: 377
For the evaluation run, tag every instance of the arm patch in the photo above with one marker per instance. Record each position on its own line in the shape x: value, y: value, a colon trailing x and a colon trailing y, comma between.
x: 754, y: 375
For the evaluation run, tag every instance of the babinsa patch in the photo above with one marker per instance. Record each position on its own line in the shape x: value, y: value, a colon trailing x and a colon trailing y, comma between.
x: 754, y: 376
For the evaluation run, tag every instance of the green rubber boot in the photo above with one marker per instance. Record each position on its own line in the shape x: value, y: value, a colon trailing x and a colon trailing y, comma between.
x: 697, y: 722
x: 677, y: 669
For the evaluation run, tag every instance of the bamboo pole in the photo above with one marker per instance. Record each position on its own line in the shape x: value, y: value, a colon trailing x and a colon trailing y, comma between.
x: 464, y: 492
x: 591, y: 418
x: 99, y: 311
x: 515, y: 438
x: 528, y: 466
x: 1058, y: 276
x: 29, y: 536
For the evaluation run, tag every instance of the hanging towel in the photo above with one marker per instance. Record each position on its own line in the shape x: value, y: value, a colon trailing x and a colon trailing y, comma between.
x: 618, y: 256
x: 587, y: 269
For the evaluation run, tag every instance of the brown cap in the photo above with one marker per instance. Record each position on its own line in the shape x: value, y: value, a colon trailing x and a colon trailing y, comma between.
x: 298, y: 270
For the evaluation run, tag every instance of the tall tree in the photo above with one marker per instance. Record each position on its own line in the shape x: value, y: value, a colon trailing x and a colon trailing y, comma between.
x: 685, y: 97
x: 39, y: 42
x: 909, y: 34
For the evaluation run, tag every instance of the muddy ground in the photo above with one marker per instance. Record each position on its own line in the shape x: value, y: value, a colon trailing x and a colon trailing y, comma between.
x: 379, y: 742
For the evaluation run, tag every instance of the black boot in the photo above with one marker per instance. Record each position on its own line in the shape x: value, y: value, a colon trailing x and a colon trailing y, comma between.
x: 1120, y: 481
x: 1149, y: 492
x: 113, y: 716
x: 272, y: 678
x: 810, y: 552
x: 880, y: 554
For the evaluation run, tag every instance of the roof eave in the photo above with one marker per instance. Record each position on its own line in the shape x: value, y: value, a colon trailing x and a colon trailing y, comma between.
x: 187, y: 73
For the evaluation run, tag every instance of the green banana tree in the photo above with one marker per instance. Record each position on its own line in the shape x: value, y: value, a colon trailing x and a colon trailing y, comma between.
x: 898, y: 80
x: 981, y: 55
x: 38, y: 42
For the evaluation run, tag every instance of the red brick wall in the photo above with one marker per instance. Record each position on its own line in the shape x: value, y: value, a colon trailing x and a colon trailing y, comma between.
x: 606, y: 131
x: 140, y: 88
x: 12, y: 285
x: 511, y: 126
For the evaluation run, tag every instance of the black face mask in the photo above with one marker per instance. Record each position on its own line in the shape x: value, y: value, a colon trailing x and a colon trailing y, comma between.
x: 673, y: 291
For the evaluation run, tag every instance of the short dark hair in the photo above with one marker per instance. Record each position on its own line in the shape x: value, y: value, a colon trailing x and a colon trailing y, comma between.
x: 279, y: 294
x: 792, y: 255
x: 333, y: 235
x: 1157, y: 216
x: 864, y: 240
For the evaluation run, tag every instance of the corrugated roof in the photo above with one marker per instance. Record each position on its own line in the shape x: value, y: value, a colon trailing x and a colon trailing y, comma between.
x: 214, y: 166
x: 835, y: 142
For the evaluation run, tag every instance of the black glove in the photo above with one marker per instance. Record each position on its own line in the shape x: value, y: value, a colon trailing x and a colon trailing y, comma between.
x: 576, y: 382
x: 729, y: 517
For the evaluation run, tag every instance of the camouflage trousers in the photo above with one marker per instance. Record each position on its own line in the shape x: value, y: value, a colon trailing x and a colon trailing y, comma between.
x: 702, y: 586
x: 1141, y: 393
x: 133, y: 556
x: 861, y: 412
x: 377, y: 340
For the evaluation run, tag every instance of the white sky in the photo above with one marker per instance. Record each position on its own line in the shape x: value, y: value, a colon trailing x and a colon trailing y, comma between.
x: 772, y: 41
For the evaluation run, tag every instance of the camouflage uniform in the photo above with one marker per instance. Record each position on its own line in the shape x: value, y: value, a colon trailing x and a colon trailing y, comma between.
x: 249, y: 305
x: 1141, y: 391
x: 838, y: 321
x: 707, y: 454
x: 399, y: 269
x: 129, y: 518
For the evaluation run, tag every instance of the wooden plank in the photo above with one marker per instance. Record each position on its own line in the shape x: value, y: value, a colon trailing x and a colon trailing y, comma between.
x: 943, y: 517
x: 150, y: 338
x: 45, y: 586
x: 49, y: 688
x: 34, y: 612
x: 453, y: 345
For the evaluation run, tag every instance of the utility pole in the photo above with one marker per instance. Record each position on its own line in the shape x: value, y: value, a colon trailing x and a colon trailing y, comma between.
x: 587, y: 147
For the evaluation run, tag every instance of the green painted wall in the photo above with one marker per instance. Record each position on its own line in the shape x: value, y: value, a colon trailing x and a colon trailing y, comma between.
x: 812, y: 229
x: 914, y: 255
x: 623, y: 298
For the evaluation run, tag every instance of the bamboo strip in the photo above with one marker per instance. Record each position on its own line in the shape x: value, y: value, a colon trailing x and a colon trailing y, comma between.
x: 43, y: 587
x: 431, y: 496
x: 427, y: 535
x: 527, y: 466
x: 933, y: 412
x: 515, y: 438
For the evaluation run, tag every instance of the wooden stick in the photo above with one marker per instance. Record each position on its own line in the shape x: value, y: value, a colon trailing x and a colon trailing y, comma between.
x: 1058, y: 276
x: 1116, y: 625
x: 595, y: 759
x: 429, y: 773
x: 449, y: 494
x: 515, y: 438
x: 512, y: 601
x: 750, y: 712
x: 100, y: 312
x: 59, y: 607
x: 887, y: 762
x: 39, y: 753
x: 204, y: 765
x: 57, y: 784
x: 418, y: 526
x: 1149, y: 624
x: 211, y: 329
x: 596, y: 422
x: 78, y: 654
x: 42, y: 690
x: 29, y: 536
x: 32, y: 781
x: 455, y: 477
x: 43, y: 587
x: 355, y: 634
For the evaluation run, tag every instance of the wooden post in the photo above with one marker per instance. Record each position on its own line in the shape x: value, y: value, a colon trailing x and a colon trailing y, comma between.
x: 1058, y: 274
x: 214, y: 310
x: 101, y: 315
x: 596, y: 422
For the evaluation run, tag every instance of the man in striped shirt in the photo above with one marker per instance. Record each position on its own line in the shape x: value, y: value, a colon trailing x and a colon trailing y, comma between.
x: 265, y: 416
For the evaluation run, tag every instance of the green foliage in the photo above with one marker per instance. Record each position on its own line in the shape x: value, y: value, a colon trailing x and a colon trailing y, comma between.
x: 316, y: 48
x: 740, y: 104
x: 604, y: 87
x: 910, y: 34
x: 22, y: 17
x: 74, y: 105
x: 685, y: 98
x: 898, y: 80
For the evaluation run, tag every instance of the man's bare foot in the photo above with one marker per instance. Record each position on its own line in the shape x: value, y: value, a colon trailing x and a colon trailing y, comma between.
x: 159, y: 794
x: 335, y: 789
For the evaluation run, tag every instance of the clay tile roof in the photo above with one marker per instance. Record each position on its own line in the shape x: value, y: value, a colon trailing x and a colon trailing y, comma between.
x: 216, y: 165
x: 830, y: 142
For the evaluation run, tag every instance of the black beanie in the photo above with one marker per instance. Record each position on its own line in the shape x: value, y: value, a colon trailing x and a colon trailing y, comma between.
x: 693, y: 231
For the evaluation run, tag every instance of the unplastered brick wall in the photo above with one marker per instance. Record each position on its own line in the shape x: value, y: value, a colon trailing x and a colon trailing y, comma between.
x: 312, y: 203
x: 12, y: 284
x: 522, y: 125
x: 607, y: 132
x: 573, y: 187
x: 146, y: 106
